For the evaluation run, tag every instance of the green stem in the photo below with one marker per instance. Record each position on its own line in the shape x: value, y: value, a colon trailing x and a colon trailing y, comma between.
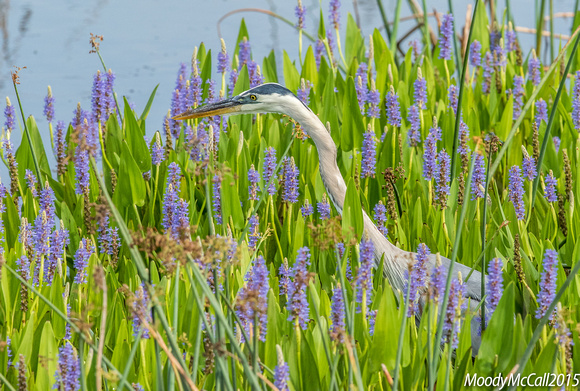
x: 401, y: 338
x: 393, y: 36
x: 129, y: 363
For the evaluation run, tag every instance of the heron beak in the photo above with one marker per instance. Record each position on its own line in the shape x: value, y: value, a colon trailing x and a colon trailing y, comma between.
x: 211, y: 109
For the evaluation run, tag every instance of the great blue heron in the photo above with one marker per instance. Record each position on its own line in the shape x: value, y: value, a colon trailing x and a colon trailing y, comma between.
x: 274, y: 98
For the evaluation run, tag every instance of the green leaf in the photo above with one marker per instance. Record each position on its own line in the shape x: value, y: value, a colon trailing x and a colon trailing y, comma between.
x: 352, y: 217
x: 291, y: 75
x: 145, y: 112
x: 131, y: 185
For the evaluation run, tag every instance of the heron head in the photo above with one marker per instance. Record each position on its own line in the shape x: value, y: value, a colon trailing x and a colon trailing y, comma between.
x: 265, y: 98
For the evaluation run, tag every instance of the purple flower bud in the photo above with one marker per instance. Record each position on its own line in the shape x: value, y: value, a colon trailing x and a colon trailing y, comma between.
x: 157, y: 152
x: 284, y: 273
x: 281, y: 372
x: 442, y: 180
x: 446, y: 37
x: 438, y: 282
x: 374, y: 99
x: 223, y: 59
x: 516, y: 191
x: 244, y: 54
x: 548, y: 286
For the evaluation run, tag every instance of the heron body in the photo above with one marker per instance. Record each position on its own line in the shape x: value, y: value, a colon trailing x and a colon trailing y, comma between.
x: 274, y: 98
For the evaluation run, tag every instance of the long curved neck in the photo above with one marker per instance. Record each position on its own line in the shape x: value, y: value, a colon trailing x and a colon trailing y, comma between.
x: 336, y: 188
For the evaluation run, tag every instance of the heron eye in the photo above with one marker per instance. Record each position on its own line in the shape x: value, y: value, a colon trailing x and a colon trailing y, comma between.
x: 253, y: 97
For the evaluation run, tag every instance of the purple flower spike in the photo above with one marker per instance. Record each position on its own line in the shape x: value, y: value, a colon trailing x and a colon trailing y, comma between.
x: 300, y: 12
x: 418, y: 278
x: 442, y: 180
x: 487, y: 72
x: 337, y: 315
x: 157, y: 152
x: 541, y: 111
x: 297, y: 304
x: 303, y: 92
x: 244, y: 53
x: 494, y: 287
x: 81, y: 260
x: 361, y: 85
x: 438, y: 282
x: 516, y: 191
x: 420, y: 93
x: 319, y: 50
x: 217, y: 199
x: 534, y: 69
x: 253, y: 178
x: 430, y: 153
x: 291, y: 181
x: 253, y: 299
x: 478, y: 186
x: 68, y: 372
x: 380, y: 214
x: 414, y: 134
x: 374, y: 99
x: 452, y: 95
x: 9, y: 115
x: 254, y: 233
x: 548, y: 285
x: 475, y: 54
x: 529, y: 165
x: 446, y: 37
x: 223, y: 59
x: 269, y: 168
x: 49, y: 106
x: 281, y: 372
x: 141, y: 312
x: 576, y: 102
x: 550, y: 190
x: 557, y: 142
x: 323, y: 208
x: 307, y: 209
x: 369, y: 153
x: 334, y: 13
x: 519, y: 93
x: 393, y: 109
x: 364, y: 277
x: 455, y: 306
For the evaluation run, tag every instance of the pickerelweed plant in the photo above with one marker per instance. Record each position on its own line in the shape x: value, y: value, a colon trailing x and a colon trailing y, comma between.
x: 225, y: 263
